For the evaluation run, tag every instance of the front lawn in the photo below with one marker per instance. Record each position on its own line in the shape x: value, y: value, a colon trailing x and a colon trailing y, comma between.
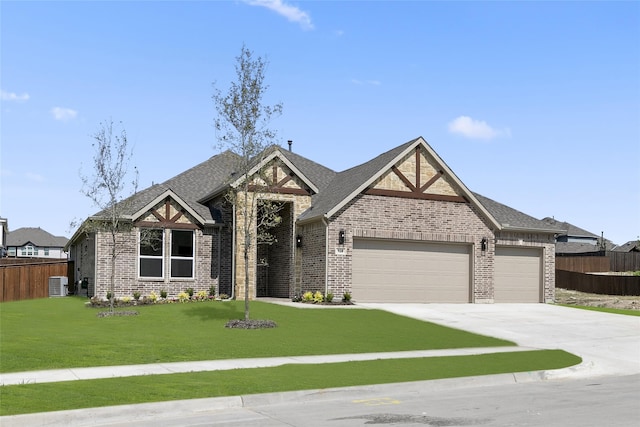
x: 29, y: 398
x: 55, y: 333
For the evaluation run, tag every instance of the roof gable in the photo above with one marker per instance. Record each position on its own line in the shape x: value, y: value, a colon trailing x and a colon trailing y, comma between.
x: 410, y: 170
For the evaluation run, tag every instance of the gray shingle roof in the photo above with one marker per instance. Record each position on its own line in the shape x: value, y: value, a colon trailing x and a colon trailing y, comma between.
x: 345, y: 183
x: 630, y: 246
x: 509, y: 217
x: 210, y: 177
x: 570, y: 229
x: 36, y: 236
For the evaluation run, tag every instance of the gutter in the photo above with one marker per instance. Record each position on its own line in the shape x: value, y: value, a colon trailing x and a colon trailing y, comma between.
x: 507, y: 227
x: 326, y: 255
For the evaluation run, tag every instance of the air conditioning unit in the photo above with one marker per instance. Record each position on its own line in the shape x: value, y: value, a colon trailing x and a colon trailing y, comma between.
x: 58, y: 286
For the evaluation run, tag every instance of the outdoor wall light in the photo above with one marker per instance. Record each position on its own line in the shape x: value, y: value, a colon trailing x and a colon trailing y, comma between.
x: 298, y: 241
x: 341, y: 237
x: 483, y: 244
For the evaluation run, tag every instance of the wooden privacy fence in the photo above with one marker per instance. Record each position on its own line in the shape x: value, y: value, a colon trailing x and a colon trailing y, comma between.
x: 624, y: 261
x: 583, y: 264
x: 597, y: 283
x: 28, y: 280
x: 612, y: 261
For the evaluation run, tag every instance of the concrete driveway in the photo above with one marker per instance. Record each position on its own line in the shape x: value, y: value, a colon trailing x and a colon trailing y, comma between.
x: 609, y: 344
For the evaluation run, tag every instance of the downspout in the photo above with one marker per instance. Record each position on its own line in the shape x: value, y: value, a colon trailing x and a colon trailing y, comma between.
x: 219, y: 256
x: 326, y: 255
x: 233, y: 256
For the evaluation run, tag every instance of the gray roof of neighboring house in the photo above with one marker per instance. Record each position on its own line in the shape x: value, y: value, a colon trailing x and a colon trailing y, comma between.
x: 576, y: 248
x: 35, y: 235
x: 570, y: 229
x: 630, y: 246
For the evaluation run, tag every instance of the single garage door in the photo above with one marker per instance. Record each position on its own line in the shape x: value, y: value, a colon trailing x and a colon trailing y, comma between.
x: 407, y: 271
x: 518, y: 275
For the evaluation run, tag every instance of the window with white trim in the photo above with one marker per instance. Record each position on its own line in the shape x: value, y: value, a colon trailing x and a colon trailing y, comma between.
x: 28, y: 250
x: 182, y: 253
x: 151, y: 261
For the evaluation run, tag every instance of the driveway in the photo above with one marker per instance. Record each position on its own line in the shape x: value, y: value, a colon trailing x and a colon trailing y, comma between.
x: 609, y: 344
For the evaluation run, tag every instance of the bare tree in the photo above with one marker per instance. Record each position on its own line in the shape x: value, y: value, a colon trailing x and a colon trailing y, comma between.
x: 242, y: 126
x: 107, y: 188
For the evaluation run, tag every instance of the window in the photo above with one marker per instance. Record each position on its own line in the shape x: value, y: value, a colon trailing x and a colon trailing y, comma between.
x: 182, y: 253
x: 28, y: 250
x: 151, y: 253
x: 46, y: 251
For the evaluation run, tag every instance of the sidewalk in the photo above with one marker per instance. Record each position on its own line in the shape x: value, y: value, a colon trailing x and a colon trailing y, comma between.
x: 74, y: 374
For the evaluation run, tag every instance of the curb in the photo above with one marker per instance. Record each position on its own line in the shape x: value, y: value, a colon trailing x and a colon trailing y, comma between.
x: 128, y: 414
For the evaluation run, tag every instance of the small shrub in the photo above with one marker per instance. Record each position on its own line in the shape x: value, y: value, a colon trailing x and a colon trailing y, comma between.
x: 223, y: 296
x: 153, y: 296
x: 318, y: 297
x: 126, y: 300
x: 636, y: 273
x: 296, y: 298
x: 189, y: 292
x: 183, y: 296
x: 212, y: 291
x: 329, y: 297
x: 307, y: 296
x: 163, y: 294
x: 136, y: 295
x: 346, y: 297
x: 201, y: 295
x: 109, y: 295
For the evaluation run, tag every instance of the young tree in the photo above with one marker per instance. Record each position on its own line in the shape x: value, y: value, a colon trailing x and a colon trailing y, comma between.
x: 107, y: 188
x: 242, y: 126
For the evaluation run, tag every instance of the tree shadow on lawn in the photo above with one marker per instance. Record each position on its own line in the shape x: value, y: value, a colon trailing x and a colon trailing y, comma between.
x: 219, y: 310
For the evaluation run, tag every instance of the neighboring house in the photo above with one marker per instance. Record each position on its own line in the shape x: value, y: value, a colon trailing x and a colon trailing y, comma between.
x: 401, y: 227
x: 577, y: 241
x: 4, y: 230
x: 32, y: 242
x: 630, y: 246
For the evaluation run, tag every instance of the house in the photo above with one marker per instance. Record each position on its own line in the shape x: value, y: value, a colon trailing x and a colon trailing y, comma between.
x: 575, y: 241
x: 401, y: 227
x: 34, y: 242
x: 630, y: 246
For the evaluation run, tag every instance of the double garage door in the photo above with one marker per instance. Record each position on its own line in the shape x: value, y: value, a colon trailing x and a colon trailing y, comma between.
x: 406, y: 271
x: 423, y: 272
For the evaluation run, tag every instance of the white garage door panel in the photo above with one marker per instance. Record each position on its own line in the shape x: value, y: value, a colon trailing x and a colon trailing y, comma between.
x: 517, y: 275
x: 401, y: 271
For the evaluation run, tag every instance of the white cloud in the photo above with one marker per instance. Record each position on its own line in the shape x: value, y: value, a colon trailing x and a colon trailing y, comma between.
x: 12, y: 96
x: 366, y: 82
x: 292, y: 13
x: 476, y: 129
x: 63, y: 114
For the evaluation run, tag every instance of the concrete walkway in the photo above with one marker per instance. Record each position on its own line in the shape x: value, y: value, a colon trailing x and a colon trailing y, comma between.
x: 73, y: 374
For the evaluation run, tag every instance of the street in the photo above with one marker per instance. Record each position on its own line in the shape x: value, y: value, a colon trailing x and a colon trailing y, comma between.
x: 602, y: 401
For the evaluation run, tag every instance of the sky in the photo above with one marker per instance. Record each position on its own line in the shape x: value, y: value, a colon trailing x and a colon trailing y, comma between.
x: 533, y: 104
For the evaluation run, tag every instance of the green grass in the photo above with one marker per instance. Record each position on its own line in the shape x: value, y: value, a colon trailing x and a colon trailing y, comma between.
x: 605, y: 309
x: 60, y: 333
x: 29, y: 398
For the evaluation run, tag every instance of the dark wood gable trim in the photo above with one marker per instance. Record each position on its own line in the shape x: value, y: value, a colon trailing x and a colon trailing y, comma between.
x: 164, y: 221
x: 278, y: 186
x: 417, y: 190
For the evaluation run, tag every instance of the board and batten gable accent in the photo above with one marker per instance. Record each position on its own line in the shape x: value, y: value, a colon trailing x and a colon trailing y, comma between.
x: 416, y: 176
